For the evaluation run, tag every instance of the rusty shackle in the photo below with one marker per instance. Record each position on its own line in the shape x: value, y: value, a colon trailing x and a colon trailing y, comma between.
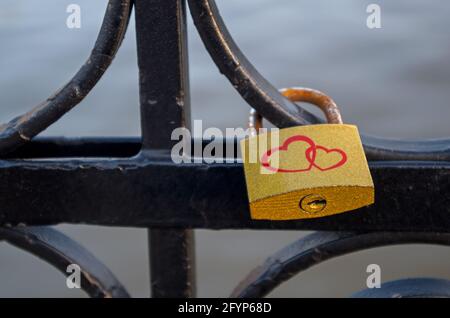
x: 302, y: 94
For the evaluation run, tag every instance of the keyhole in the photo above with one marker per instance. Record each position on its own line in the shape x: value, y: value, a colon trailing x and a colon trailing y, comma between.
x: 313, y: 203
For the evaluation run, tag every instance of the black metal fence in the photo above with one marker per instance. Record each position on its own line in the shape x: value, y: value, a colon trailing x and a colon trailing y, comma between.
x: 133, y: 182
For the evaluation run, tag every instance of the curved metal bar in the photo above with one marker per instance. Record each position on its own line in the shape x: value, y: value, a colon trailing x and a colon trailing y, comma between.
x: 263, y: 97
x: 318, y: 247
x: 382, y: 149
x: 253, y: 87
x: 59, y: 250
x: 409, y: 288
x: 22, y: 128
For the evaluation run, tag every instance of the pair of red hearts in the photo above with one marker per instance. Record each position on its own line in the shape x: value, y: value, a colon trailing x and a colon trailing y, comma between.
x: 310, y: 154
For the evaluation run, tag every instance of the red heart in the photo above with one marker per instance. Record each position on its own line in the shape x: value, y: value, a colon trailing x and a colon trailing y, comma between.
x: 337, y: 164
x: 265, y: 159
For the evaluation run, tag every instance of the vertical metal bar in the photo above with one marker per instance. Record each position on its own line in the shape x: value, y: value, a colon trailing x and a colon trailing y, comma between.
x: 163, y: 70
x: 172, y: 263
x: 164, y: 99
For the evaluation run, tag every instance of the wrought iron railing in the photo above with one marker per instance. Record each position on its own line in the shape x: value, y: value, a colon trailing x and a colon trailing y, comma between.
x: 133, y: 182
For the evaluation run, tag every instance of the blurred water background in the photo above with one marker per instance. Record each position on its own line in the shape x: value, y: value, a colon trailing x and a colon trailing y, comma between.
x: 392, y: 82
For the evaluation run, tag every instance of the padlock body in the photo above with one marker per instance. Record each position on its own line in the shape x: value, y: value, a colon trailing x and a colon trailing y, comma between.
x: 306, y: 172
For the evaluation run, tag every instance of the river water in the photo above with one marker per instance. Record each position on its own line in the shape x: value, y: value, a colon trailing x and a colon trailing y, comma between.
x: 391, y: 82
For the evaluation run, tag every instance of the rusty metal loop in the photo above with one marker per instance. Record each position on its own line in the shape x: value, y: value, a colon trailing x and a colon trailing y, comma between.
x: 317, y: 98
x: 255, y: 122
x: 302, y: 94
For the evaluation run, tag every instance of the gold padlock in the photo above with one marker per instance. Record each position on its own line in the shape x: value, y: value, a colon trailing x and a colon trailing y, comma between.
x: 306, y: 171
